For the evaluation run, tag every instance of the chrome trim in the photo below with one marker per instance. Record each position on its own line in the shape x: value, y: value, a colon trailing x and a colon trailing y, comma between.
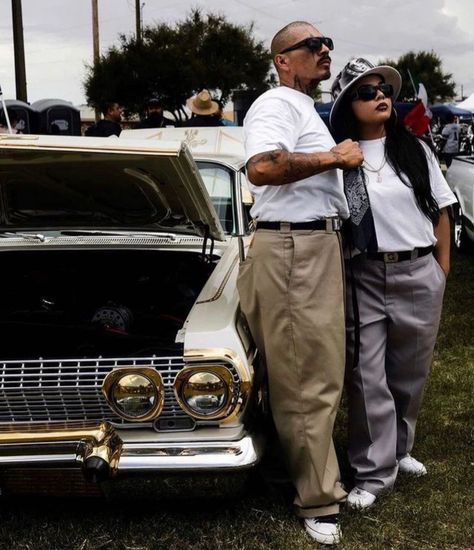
x: 146, y: 372
x: 56, y: 391
x: 227, y: 357
x: 244, y: 453
x: 221, y: 287
x: 239, y: 203
x: 75, y: 447
x: 224, y: 374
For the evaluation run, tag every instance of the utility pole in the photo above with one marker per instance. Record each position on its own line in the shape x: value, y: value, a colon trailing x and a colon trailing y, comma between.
x: 19, y: 48
x: 95, y: 42
x: 138, y: 20
x: 95, y: 31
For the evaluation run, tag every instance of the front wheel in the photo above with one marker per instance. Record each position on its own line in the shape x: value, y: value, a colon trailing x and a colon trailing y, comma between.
x: 461, y: 238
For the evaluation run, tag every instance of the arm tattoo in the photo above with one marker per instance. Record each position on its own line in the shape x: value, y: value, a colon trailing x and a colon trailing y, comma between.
x: 281, y: 167
x: 297, y: 168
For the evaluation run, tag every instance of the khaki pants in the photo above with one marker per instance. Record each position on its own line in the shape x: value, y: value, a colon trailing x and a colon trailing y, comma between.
x: 291, y: 291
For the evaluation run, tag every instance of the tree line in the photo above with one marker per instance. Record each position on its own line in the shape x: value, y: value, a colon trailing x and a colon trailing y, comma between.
x: 173, y: 62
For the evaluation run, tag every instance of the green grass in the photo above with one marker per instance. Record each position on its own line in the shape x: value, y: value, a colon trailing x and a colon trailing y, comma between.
x: 435, y: 512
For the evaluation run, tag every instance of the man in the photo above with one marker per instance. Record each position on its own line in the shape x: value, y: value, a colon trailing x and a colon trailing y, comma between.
x: 204, y: 110
x: 110, y: 124
x: 220, y: 114
x: 155, y: 118
x: 451, y: 133
x: 290, y: 284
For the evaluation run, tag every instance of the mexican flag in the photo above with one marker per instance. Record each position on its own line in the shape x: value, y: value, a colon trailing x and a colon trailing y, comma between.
x: 418, y: 118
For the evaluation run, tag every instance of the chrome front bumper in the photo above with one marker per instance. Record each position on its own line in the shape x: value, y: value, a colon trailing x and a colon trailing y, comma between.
x: 101, y: 453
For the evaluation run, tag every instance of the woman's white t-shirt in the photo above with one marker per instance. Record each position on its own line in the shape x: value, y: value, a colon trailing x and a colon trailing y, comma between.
x: 399, y: 222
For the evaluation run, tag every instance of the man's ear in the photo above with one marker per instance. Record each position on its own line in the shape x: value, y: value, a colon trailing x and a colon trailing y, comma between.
x: 281, y: 62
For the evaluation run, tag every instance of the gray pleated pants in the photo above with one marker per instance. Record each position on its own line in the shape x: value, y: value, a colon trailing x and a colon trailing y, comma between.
x: 399, y: 309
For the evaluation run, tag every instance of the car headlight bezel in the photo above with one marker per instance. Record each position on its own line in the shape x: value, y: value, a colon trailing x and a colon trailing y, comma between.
x: 221, y: 372
x: 114, y: 377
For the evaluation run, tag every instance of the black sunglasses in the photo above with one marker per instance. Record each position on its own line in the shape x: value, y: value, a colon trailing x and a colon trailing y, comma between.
x: 313, y: 43
x: 367, y: 92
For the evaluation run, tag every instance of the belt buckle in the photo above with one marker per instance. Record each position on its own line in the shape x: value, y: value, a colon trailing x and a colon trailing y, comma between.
x: 390, y: 257
x: 333, y: 224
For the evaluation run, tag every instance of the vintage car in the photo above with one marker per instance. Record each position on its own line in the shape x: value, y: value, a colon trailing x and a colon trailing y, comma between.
x: 460, y: 177
x: 124, y: 353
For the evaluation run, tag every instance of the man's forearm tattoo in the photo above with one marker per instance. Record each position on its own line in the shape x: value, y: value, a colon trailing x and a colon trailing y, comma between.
x: 287, y: 167
x: 298, y: 167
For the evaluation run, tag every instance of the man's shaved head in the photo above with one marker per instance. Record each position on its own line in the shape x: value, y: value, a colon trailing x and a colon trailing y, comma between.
x: 285, y: 36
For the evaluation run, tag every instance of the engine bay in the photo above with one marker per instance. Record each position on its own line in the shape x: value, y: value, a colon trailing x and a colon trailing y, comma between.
x: 90, y: 303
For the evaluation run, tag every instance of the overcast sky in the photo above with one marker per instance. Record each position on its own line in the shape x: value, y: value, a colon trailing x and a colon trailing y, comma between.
x: 58, y: 36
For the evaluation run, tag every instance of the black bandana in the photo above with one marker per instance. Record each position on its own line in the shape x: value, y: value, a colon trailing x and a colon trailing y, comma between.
x: 361, y: 221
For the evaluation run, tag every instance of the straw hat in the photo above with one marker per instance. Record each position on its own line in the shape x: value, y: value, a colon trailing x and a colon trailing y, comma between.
x: 354, y: 71
x: 202, y: 104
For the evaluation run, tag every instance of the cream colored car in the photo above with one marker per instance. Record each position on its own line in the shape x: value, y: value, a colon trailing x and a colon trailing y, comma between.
x: 124, y: 353
x: 460, y: 177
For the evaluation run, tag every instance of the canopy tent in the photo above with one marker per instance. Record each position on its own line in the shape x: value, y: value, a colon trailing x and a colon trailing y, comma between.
x: 441, y: 110
x: 468, y: 103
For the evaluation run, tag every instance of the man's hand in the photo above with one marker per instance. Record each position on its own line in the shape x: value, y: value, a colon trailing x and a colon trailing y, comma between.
x: 348, y: 154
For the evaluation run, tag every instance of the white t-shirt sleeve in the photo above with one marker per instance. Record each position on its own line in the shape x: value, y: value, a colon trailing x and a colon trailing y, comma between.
x: 272, y: 123
x: 439, y: 186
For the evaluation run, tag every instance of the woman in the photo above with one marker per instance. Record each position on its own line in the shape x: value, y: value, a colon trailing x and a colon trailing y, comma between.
x: 399, y: 277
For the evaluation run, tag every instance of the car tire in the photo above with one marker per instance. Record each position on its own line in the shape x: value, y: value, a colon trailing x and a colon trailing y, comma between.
x: 461, y: 239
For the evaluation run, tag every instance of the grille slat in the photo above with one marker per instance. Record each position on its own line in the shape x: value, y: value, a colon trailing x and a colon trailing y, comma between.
x: 58, y: 391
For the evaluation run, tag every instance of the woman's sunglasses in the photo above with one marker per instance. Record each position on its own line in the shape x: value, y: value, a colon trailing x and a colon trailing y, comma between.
x: 367, y: 92
x: 313, y: 43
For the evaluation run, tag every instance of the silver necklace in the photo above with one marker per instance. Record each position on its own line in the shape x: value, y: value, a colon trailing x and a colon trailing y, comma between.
x: 377, y: 171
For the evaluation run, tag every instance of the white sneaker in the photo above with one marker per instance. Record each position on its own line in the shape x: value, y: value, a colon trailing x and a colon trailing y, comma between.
x: 324, y: 529
x: 360, y: 499
x: 409, y: 465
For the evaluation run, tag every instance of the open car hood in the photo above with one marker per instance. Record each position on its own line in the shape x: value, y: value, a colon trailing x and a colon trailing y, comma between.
x: 51, y: 183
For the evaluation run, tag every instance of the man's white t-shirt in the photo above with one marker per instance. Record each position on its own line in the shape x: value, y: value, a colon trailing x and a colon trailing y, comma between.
x: 283, y: 118
x: 399, y: 222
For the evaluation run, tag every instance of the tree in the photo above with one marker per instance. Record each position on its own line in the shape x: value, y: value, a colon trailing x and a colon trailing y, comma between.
x: 175, y: 62
x: 424, y: 67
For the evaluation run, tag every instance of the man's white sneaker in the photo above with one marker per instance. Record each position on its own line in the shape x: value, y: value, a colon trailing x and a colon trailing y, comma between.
x: 409, y: 465
x: 360, y: 499
x: 324, y: 529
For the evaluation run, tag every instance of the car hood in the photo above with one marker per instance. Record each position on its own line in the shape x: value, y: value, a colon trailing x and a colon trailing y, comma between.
x: 51, y: 183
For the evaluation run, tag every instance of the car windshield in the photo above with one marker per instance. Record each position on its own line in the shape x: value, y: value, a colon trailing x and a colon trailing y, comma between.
x: 218, y: 182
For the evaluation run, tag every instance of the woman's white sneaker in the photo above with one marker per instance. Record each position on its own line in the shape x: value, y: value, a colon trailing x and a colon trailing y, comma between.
x: 360, y: 499
x: 324, y: 529
x: 409, y: 465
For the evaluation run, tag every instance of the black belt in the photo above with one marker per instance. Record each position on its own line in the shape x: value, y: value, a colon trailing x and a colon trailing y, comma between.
x: 334, y: 225
x: 394, y: 257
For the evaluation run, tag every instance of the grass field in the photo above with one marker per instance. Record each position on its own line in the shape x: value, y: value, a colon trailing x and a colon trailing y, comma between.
x: 435, y: 512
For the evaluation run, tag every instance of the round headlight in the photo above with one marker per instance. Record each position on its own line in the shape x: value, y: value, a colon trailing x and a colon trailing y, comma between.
x: 205, y: 393
x: 134, y: 395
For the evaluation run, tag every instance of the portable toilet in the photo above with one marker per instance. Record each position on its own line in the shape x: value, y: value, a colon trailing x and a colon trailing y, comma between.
x: 25, y: 115
x: 57, y: 116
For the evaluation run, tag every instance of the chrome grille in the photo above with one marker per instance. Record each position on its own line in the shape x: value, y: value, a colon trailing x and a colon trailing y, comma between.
x: 70, y: 390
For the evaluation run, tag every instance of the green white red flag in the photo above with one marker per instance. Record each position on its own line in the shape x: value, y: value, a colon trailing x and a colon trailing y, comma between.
x: 418, y: 118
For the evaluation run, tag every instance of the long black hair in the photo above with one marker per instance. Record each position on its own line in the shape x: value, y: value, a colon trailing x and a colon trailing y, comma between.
x: 405, y: 153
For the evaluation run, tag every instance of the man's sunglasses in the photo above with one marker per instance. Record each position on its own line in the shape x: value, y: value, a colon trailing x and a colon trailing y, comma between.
x: 313, y: 43
x: 367, y: 92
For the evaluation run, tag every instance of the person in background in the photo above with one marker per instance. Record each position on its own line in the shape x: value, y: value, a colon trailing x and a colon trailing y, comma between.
x: 203, y: 109
x: 291, y: 281
x: 220, y: 114
x: 398, y: 284
x: 155, y: 117
x: 451, y: 133
x: 110, y: 124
